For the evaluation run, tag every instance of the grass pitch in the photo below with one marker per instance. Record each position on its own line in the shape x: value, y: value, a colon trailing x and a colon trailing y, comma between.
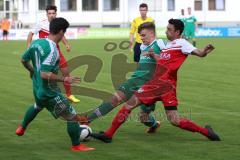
x: 208, y: 92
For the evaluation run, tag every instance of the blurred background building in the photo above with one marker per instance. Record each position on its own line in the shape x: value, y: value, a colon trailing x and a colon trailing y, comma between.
x: 119, y: 13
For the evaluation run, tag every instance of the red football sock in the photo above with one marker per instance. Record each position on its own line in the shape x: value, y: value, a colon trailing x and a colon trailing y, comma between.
x: 67, y: 87
x: 190, y: 126
x: 118, y: 120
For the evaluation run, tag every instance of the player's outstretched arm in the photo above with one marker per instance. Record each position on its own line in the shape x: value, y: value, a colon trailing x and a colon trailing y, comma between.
x: 67, y: 45
x: 203, y: 52
x: 55, y: 78
x: 29, y: 39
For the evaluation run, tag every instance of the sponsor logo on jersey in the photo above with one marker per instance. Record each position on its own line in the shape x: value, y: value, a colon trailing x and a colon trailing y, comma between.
x: 165, y: 56
x: 145, y: 57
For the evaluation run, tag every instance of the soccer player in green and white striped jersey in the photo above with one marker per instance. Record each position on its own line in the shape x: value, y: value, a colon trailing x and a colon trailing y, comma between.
x: 190, y: 27
x: 45, y: 59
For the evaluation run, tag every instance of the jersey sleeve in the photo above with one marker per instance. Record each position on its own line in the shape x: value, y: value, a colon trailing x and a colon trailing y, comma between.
x: 36, y: 28
x: 194, y: 18
x: 187, y: 47
x: 26, y: 55
x: 49, y: 64
x: 133, y: 27
x: 151, y: 20
x: 161, y: 44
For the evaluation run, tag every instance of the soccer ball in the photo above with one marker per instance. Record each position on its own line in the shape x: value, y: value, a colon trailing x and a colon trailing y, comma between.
x: 85, y: 132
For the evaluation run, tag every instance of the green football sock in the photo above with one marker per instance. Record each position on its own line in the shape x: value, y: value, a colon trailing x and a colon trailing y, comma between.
x: 29, y: 116
x: 151, y: 122
x: 100, y: 111
x: 74, y: 132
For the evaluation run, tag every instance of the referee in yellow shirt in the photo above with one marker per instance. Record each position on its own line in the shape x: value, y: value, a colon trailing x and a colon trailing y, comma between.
x: 143, y: 8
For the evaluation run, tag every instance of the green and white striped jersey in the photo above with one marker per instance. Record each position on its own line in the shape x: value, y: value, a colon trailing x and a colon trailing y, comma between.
x: 44, y: 55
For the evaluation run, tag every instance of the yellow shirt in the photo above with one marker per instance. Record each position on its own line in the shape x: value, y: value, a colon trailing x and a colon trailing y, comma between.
x: 135, y: 24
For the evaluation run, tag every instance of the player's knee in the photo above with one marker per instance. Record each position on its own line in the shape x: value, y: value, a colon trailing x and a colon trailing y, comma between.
x: 37, y: 108
x: 173, y: 120
x: 133, y: 101
x: 115, y: 100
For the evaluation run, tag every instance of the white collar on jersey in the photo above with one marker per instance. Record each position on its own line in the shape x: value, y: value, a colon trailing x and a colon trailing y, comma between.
x: 51, y: 41
x: 143, y: 46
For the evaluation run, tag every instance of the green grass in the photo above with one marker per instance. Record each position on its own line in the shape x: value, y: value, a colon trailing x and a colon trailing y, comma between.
x: 208, y: 91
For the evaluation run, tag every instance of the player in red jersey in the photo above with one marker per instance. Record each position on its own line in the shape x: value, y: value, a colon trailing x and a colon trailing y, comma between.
x: 42, y: 29
x: 169, y: 60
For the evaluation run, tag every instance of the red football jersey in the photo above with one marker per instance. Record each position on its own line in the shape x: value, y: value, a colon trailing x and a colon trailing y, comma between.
x: 173, y: 56
x: 42, y: 29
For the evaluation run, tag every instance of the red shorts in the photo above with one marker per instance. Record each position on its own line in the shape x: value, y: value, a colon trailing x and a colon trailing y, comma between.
x: 63, y: 62
x: 158, y: 90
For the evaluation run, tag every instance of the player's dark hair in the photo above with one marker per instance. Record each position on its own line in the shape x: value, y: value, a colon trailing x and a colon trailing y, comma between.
x: 57, y: 25
x: 178, y: 24
x: 51, y: 7
x: 147, y: 25
x: 143, y: 5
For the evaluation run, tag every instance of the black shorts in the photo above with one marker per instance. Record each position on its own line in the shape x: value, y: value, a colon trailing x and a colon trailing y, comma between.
x: 5, y: 33
x: 137, y: 52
